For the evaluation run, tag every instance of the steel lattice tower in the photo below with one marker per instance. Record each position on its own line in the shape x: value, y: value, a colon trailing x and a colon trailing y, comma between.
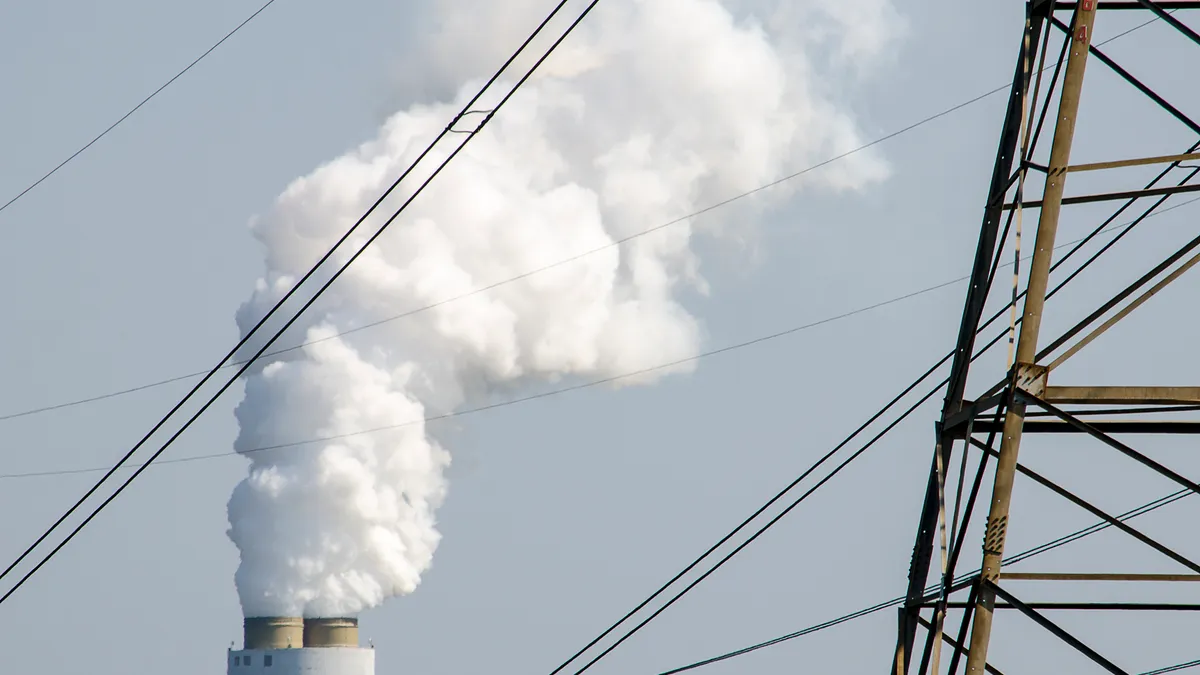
x: 1029, y: 400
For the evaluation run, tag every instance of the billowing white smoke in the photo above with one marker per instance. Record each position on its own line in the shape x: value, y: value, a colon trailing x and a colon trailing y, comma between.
x: 653, y: 108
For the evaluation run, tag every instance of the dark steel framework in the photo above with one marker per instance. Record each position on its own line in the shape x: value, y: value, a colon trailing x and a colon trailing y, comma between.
x: 1025, y: 402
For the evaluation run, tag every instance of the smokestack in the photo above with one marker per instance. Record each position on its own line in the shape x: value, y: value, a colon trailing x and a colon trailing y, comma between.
x: 290, y: 645
x: 340, y: 632
x: 274, y: 632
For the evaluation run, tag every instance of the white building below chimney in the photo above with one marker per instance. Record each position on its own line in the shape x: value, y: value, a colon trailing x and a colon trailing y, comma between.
x: 306, y: 661
x: 292, y: 646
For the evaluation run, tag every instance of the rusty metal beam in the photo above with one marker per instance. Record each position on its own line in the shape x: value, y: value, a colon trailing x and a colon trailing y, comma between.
x: 1102, y: 606
x: 1161, y: 159
x: 1088, y: 576
x: 1129, y: 4
x: 1114, y: 427
x: 1122, y: 395
x: 1031, y: 322
x: 1108, y: 196
x: 986, y: 262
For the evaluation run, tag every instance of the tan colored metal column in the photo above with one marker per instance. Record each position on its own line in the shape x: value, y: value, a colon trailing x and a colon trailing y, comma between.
x: 1035, y: 300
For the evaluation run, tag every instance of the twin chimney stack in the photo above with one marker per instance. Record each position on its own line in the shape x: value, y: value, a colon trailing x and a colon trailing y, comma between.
x: 293, y: 632
x: 291, y: 645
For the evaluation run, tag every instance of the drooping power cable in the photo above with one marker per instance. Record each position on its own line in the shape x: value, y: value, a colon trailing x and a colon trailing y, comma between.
x: 471, y: 135
x: 707, y: 209
x: 896, y: 602
x: 135, y: 108
x: 858, y: 453
x: 1147, y: 213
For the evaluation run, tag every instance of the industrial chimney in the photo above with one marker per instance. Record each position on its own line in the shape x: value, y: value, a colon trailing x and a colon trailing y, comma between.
x: 331, y: 632
x: 274, y: 632
x: 287, y: 645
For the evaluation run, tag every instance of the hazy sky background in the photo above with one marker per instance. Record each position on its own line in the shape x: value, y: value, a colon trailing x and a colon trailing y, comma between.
x: 563, y: 513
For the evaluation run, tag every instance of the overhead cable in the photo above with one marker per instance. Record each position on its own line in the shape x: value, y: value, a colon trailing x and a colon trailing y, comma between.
x: 662, y: 589
x: 896, y: 602
x: 380, y: 230
x: 591, y: 383
x: 135, y: 108
x: 524, y: 275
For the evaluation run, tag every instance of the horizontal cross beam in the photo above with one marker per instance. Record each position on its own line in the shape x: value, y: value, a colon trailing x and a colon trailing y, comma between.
x: 1101, y: 606
x: 1123, y: 395
x: 1119, y: 4
x: 1161, y: 159
x: 1089, y: 576
x: 1110, y: 196
x: 1113, y: 427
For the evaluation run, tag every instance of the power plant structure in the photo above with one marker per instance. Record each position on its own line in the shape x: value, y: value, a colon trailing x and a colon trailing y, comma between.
x: 286, y: 645
x: 1058, y: 419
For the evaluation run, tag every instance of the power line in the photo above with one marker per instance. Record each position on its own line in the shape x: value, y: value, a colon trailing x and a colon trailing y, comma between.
x: 289, y: 323
x: 261, y: 351
x: 492, y: 286
x: 467, y: 108
x: 378, y: 233
x: 1014, y: 300
x: 830, y: 476
x: 135, y: 108
x: 858, y: 453
x: 586, y: 385
x: 1127, y: 228
x: 771, y: 523
x: 524, y: 399
x: 762, y: 509
x: 188, y: 376
x: 552, y: 266
x: 896, y: 602
x: 1172, y: 669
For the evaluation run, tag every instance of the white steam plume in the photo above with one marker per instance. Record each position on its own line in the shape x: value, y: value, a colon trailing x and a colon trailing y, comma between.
x: 653, y: 108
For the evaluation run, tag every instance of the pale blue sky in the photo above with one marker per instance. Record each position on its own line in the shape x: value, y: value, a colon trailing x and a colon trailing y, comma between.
x: 127, y: 266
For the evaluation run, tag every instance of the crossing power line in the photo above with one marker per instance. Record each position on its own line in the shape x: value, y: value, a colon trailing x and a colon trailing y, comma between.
x: 986, y: 281
x: 591, y: 383
x: 449, y: 130
x: 524, y: 275
x: 280, y: 332
x: 896, y: 602
x: 862, y: 448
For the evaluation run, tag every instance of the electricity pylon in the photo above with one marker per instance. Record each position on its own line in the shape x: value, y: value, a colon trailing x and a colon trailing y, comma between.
x: 1029, y: 399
